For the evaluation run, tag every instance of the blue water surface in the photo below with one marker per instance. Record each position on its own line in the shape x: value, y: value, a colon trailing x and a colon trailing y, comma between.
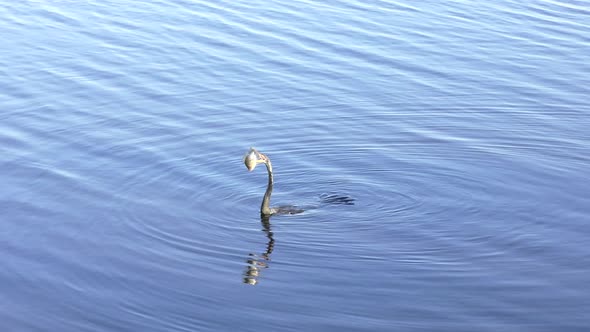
x: 458, y: 132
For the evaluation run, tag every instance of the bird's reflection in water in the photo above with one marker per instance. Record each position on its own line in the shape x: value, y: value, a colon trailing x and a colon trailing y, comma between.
x: 258, y: 262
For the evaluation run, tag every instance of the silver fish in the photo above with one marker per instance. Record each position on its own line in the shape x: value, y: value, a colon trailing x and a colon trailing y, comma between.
x: 251, y: 159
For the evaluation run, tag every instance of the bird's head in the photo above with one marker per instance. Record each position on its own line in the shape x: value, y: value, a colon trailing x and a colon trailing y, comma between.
x: 253, y: 158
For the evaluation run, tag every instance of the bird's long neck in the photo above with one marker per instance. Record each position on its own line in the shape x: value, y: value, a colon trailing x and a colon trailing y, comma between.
x: 265, y: 208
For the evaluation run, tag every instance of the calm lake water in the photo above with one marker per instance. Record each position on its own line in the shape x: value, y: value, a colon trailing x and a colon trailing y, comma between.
x: 460, y: 130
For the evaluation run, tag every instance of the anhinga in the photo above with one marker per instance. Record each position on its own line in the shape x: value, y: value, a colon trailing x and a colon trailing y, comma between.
x: 253, y: 158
